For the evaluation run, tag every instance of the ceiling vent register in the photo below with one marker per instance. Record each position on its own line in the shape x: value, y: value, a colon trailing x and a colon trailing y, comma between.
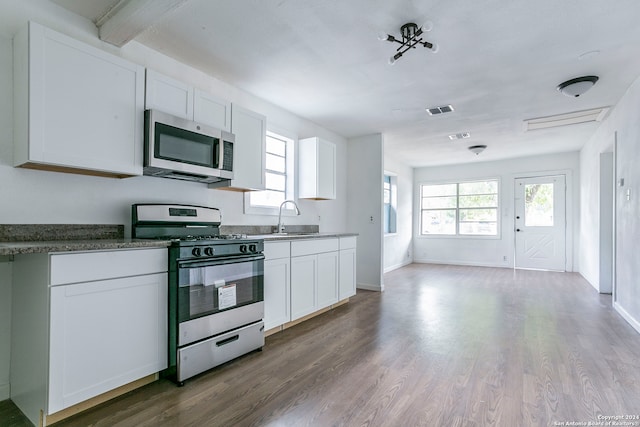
x: 461, y: 135
x: 439, y: 110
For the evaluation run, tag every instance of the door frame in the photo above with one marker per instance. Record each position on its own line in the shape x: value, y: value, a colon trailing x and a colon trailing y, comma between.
x: 570, y: 202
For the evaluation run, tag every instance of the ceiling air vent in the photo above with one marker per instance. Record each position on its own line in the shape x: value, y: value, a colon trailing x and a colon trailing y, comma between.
x: 461, y: 135
x: 439, y: 110
x: 595, y: 115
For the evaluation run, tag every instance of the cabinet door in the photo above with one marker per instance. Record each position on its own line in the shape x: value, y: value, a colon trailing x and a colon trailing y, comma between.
x: 327, y: 279
x: 347, y: 279
x: 83, y: 107
x: 168, y: 95
x: 326, y: 170
x: 211, y: 110
x: 303, y: 285
x: 317, y: 171
x: 277, y: 288
x: 250, y: 129
x: 105, y: 334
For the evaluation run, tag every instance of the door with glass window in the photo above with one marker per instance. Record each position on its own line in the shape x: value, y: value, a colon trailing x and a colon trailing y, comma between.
x: 540, y: 223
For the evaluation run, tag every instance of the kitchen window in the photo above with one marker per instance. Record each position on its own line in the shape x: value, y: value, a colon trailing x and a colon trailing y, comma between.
x: 279, y: 177
x: 459, y: 209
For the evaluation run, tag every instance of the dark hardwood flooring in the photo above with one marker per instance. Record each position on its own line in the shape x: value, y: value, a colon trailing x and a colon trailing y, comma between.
x: 442, y: 346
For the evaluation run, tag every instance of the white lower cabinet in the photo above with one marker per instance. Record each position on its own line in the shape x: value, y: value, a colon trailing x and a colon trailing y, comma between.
x: 314, y: 275
x: 327, y: 279
x: 85, y: 323
x: 277, y: 284
x: 347, y: 270
x: 105, y: 334
x: 305, y: 276
x: 304, y: 279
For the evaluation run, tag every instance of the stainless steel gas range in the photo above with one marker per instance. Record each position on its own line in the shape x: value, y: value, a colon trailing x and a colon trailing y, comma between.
x: 216, y: 286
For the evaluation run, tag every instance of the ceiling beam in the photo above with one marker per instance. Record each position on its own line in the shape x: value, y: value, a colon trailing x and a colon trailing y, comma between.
x: 128, y: 18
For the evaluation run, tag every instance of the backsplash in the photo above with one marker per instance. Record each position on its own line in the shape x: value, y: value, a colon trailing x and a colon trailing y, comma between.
x: 48, y: 232
x: 267, y: 229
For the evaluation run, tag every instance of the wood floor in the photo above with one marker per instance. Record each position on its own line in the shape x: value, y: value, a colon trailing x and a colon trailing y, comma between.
x: 442, y: 346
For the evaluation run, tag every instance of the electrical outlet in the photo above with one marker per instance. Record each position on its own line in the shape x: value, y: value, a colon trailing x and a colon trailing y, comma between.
x: 371, y: 219
x: 504, y: 258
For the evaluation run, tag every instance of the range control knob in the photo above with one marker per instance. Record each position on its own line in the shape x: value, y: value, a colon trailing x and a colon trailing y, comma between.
x: 243, y: 249
x: 208, y: 251
x: 253, y: 248
x: 196, y: 251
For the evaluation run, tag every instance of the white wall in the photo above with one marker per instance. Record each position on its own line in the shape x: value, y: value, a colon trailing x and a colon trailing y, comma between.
x: 623, y: 120
x: 30, y: 196
x: 398, y: 247
x: 365, y: 208
x: 6, y: 118
x: 5, y: 327
x: 491, y: 251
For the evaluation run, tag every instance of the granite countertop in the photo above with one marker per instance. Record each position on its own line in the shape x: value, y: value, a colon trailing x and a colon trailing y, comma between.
x: 43, y: 238
x: 301, y: 236
x: 34, y: 247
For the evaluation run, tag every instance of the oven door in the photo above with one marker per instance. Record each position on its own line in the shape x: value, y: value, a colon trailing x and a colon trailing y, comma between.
x: 215, y: 285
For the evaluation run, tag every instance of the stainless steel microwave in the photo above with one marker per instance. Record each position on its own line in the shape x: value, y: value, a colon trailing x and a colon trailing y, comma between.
x: 183, y: 149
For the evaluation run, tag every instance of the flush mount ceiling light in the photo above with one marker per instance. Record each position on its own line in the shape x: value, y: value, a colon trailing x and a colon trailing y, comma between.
x: 576, y: 87
x: 411, y: 37
x: 477, y: 149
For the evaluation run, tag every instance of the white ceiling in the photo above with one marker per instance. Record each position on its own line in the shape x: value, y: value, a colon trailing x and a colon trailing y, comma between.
x: 499, y: 63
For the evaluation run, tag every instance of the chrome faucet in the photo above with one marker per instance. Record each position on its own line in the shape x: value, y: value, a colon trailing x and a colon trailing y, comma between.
x: 280, y: 226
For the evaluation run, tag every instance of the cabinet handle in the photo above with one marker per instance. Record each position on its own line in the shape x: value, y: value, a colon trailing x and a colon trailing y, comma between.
x: 227, y: 341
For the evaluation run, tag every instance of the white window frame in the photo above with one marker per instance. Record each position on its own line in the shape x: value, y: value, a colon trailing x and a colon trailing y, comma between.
x: 498, y: 234
x: 393, y: 219
x: 290, y: 167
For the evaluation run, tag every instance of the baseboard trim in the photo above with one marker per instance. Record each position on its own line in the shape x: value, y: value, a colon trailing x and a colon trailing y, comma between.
x: 397, y: 266
x: 367, y: 287
x: 463, y: 263
x: 635, y: 324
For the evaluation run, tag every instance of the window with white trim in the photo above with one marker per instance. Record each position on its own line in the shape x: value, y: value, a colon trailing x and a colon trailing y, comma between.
x: 390, y: 200
x: 459, y: 209
x: 279, y: 176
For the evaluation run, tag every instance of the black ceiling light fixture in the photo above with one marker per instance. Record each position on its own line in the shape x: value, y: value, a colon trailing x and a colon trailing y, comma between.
x: 411, y: 37
x: 576, y: 87
x: 477, y: 149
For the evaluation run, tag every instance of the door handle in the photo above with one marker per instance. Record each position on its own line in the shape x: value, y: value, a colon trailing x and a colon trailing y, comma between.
x: 517, y: 229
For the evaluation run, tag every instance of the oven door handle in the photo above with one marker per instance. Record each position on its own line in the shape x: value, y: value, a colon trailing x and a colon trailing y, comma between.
x: 220, y: 261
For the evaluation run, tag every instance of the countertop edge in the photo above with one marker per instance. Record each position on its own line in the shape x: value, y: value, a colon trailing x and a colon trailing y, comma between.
x: 274, y: 238
x: 35, y: 247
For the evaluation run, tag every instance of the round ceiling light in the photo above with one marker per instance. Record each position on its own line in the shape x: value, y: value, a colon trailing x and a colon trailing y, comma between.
x: 477, y: 149
x: 578, y: 86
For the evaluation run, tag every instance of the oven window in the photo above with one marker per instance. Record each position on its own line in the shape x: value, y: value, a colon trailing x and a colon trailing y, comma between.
x: 209, y: 289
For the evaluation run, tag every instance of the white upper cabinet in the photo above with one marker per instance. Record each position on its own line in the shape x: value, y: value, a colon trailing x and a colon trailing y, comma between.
x: 183, y: 100
x: 317, y: 169
x: 250, y: 130
x: 168, y: 95
x: 211, y: 110
x: 76, y: 108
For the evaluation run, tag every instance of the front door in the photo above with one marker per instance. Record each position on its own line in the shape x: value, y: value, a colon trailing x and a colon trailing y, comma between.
x: 540, y: 223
